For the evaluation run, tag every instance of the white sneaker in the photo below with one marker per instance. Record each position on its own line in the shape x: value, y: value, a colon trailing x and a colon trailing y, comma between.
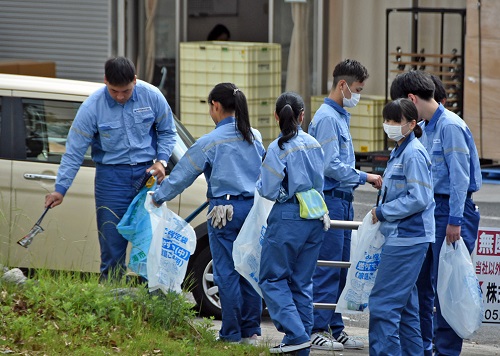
x: 284, y: 348
x: 252, y: 340
x: 325, y: 341
x: 349, y: 342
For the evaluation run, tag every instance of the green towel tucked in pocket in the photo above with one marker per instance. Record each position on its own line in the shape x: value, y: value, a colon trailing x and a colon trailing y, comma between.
x: 312, y: 205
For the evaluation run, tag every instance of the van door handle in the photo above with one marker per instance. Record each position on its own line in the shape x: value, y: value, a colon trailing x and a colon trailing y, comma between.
x: 39, y: 176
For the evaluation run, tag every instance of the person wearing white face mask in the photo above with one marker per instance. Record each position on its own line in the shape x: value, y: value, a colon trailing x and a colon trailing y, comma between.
x: 330, y: 127
x: 406, y: 214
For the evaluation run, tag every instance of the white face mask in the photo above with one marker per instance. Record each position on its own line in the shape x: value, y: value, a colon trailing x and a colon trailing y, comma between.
x: 395, y: 132
x: 353, y: 101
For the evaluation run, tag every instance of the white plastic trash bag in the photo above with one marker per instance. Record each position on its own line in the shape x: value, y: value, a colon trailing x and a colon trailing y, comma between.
x: 365, y: 258
x: 174, y: 241
x: 458, y: 289
x: 247, y: 247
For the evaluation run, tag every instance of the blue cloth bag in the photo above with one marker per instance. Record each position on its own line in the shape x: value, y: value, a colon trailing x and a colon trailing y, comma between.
x: 135, y: 226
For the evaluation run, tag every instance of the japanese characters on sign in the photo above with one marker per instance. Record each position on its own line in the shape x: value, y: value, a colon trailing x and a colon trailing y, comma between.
x: 486, y: 260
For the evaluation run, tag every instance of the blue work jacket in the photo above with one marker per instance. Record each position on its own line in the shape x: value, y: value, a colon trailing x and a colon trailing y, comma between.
x: 455, y: 162
x: 406, y: 208
x: 330, y: 127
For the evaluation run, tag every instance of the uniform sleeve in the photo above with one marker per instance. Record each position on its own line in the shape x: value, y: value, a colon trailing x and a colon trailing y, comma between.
x: 457, y: 156
x: 271, y: 176
x: 329, y: 136
x: 165, y: 129
x: 418, y: 195
x: 190, y: 166
x: 80, y: 136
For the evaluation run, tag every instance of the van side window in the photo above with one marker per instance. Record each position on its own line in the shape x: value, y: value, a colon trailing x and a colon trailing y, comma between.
x: 47, y: 123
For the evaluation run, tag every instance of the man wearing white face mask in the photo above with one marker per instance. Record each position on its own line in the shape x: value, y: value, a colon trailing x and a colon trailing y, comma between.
x: 330, y: 127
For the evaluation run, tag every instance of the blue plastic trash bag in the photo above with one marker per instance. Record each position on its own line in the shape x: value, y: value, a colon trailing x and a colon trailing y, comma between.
x: 366, y: 247
x: 247, y: 247
x: 458, y: 289
x: 135, y: 226
x: 174, y: 241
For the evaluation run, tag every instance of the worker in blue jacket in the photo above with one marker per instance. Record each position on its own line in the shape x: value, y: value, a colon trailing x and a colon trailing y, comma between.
x: 456, y: 176
x: 290, y: 249
x: 230, y: 156
x: 330, y: 126
x: 406, y: 213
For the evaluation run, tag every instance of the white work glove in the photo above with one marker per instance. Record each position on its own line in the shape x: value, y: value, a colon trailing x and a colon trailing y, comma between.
x: 326, y: 222
x: 220, y: 215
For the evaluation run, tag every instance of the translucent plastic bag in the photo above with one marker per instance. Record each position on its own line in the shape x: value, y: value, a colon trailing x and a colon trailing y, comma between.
x: 365, y: 258
x: 135, y: 226
x: 247, y: 247
x: 458, y: 289
x: 174, y: 241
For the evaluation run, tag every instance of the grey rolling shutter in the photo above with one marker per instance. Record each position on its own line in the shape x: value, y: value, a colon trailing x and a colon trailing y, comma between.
x: 76, y: 34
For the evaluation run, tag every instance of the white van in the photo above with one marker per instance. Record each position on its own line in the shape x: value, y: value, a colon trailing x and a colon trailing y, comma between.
x: 35, y: 116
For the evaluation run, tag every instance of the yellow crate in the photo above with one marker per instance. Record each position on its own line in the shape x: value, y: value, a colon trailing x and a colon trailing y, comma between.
x: 367, y: 133
x: 195, y: 116
x: 205, y: 83
x: 231, y: 51
x: 254, y: 67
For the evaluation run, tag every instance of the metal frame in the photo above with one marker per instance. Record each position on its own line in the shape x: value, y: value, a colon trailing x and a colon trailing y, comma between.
x: 336, y: 224
x: 414, y: 33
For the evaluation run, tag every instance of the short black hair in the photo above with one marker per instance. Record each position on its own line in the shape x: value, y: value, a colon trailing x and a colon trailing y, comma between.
x: 351, y: 71
x: 119, y: 71
x: 399, y: 108
x: 414, y: 82
x: 218, y: 30
x: 439, y: 90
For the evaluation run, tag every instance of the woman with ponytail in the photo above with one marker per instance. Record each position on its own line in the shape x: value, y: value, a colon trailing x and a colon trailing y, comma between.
x: 230, y: 157
x: 290, y: 249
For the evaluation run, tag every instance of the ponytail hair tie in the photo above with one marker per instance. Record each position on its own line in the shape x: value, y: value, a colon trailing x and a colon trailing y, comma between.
x: 235, y: 90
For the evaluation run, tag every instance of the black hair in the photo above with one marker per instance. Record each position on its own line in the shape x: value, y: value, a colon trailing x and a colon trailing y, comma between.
x: 232, y: 99
x: 439, y: 90
x: 351, y: 71
x: 414, y: 82
x: 399, y: 108
x: 289, y: 105
x: 119, y: 71
x: 218, y: 30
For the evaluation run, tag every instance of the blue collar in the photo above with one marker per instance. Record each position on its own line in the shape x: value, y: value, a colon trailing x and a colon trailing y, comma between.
x: 399, y: 149
x: 226, y: 121
x: 336, y: 106
x: 435, y: 118
x: 298, y: 127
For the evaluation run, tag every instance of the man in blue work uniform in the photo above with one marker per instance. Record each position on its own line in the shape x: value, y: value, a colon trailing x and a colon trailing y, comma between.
x: 129, y: 124
x: 456, y: 176
x: 330, y: 127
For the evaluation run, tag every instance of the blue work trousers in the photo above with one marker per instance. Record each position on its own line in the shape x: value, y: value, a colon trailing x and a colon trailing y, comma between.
x: 114, y: 191
x: 394, y: 327
x: 329, y: 282
x: 289, y: 256
x: 446, y: 341
x: 241, y: 305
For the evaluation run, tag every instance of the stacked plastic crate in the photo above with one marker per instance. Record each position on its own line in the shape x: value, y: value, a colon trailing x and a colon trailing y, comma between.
x: 253, y: 67
x: 366, y: 127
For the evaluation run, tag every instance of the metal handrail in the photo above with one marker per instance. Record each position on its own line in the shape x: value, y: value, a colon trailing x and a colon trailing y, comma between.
x: 336, y: 224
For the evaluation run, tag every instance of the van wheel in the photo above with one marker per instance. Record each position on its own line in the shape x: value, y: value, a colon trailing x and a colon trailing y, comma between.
x: 205, y: 292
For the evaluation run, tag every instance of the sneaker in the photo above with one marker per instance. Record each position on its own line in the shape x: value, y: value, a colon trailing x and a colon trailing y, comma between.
x: 349, y: 342
x: 325, y: 341
x: 284, y: 348
x: 218, y: 339
x: 252, y: 340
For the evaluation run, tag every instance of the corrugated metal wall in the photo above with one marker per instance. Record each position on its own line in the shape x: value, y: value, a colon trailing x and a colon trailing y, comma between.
x: 76, y: 34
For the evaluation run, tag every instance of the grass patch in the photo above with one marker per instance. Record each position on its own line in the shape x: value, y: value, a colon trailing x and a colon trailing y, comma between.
x: 65, y: 313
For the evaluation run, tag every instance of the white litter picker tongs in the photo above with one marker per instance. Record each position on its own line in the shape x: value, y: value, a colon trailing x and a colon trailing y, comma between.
x: 35, y: 230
